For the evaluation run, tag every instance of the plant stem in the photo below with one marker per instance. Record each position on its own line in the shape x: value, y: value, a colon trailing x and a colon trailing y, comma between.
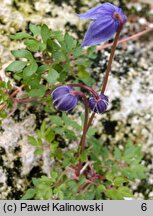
x: 90, y: 120
x: 4, y: 105
x: 111, y: 57
x: 85, y: 87
x: 26, y: 100
x: 109, y: 64
x: 83, y: 138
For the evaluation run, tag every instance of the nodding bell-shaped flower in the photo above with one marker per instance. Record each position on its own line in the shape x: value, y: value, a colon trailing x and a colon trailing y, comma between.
x: 105, y: 23
x: 98, y: 105
x: 64, y: 99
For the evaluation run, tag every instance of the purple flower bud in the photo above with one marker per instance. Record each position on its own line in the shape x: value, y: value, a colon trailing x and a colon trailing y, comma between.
x: 64, y: 99
x: 105, y: 23
x: 98, y: 105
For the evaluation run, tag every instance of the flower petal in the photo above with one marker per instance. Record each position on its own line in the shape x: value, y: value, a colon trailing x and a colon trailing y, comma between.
x: 63, y: 100
x: 60, y: 91
x: 98, y: 11
x: 67, y: 103
x: 99, y: 31
x: 98, y: 106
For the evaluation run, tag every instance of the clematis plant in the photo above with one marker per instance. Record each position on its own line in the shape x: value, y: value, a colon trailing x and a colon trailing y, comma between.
x: 51, y: 57
x: 107, y: 19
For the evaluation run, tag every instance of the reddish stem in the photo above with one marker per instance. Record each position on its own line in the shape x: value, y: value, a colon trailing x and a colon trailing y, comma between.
x: 4, y: 105
x: 26, y: 100
x: 83, y: 138
x: 17, y: 90
x: 112, y: 52
x: 116, y: 16
x: 90, y: 119
x: 85, y: 87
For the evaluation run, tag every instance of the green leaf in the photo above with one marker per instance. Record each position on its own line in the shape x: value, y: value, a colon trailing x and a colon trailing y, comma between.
x: 30, y: 69
x: 139, y: 171
x: 84, y: 156
x: 22, y: 53
x: 92, y: 54
x: 70, y: 42
x: 38, y: 151
x: 43, y: 190
x: 70, y: 134
x: 125, y: 192
x: 132, y: 154
x: 56, y: 120
x: 110, y: 177
x: 33, y: 141
x: 119, y: 180
x: 66, y: 67
x: 69, y: 122
x: 42, y: 46
x: 58, y: 154
x: 96, y: 147
x: 30, y: 193
x: 43, y: 127
x: 72, y: 184
x: 77, y: 52
x: 32, y: 44
x: 45, y: 33
x: 61, y: 195
x: 34, y: 83
x: 82, y: 179
x: 36, y: 30
x: 35, y: 181
x: 53, y: 75
x: 54, y: 174
x: 42, y: 68
x: 105, y: 152
x: 91, y: 131
x: 117, y: 153
x: 46, y: 180
x: 50, y: 135
x: 88, y: 81
x: 59, y: 130
x: 38, y: 92
x: 82, y: 73
x: 59, y: 56
x: 135, y: 172
x: 53, y: 46
x: 18, y: 76
x: 16, y: 66
x: 20, y: 35
x: 114, y: 194
x: 101, y: 188
x: 58, y: 35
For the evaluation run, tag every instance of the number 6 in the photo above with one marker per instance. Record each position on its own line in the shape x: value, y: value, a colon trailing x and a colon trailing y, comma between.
x: 144, y: 207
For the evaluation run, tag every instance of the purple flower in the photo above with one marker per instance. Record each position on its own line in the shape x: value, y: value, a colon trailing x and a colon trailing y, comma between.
x: 98, y: 105
x: 105, y: 23
x: 64, y: 99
